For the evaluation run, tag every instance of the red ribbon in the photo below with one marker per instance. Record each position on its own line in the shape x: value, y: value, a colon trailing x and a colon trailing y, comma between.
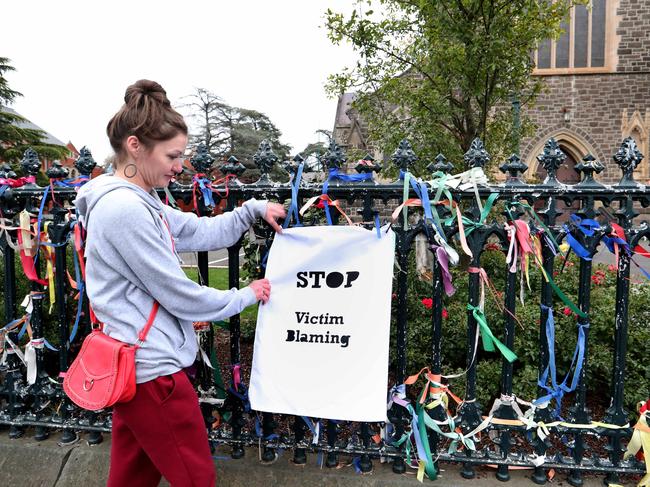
x: 17, y: 183
x: 28, y: 264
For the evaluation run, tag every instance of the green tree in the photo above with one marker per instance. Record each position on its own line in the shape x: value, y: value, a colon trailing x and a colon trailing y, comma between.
x: 249, y: 129
x: 211, y: 121
x: 14, y: 137
x: 228, y: 130
x: 443, y: 72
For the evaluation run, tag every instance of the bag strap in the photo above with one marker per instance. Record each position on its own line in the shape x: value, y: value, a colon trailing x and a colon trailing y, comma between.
x: 79, y: 247
x: 145, y: 331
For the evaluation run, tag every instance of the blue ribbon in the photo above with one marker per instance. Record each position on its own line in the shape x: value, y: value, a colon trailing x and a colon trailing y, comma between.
x: 259, y: 433
x: 22, y: 331
x: 422, y: 191
x: 81, y: 290
x: 72, y: 182
x: 293, y: 208
x: 588, y: 227
x: 334, y: 174
x: 311, y: 426
x: 39, y: 221
x: 203, y: 183
x: 243, y: 396
x: 557, y: 391
x: 3, y: 188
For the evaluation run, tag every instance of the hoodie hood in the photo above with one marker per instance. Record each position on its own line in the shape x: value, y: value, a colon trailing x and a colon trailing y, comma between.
x: 91, y: 192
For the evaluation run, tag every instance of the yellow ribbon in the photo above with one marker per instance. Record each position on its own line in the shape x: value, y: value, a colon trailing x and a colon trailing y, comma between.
x: 641, y: 439
x: 50, y: 269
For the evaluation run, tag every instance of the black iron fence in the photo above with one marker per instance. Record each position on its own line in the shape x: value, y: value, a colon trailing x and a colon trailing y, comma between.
x: 425, y: 428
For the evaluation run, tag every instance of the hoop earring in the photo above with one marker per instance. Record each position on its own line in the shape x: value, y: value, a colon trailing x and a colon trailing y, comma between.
x: 135, y: 170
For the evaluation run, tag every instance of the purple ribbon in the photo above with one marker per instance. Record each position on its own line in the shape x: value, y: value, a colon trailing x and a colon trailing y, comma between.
x: 443, y: 260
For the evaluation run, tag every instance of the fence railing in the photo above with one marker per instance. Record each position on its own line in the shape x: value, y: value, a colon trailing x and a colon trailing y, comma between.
x: 512, y: 433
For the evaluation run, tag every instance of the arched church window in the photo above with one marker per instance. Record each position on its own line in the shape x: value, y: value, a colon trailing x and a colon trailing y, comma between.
x: 586, y: 43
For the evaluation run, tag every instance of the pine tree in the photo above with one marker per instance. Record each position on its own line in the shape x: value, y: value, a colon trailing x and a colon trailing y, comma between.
x: 14, y: 138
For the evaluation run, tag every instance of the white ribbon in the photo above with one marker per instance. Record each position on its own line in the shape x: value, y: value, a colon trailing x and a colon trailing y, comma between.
x: 469, y: 180
x: 30, y: 358
x: 202, y: 354
x: 5, y: 226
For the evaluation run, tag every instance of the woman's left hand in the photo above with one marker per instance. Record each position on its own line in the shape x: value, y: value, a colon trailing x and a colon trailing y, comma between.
x: 273, y: 212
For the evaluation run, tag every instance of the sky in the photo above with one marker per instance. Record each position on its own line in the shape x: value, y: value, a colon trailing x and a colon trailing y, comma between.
x: 74, y: 60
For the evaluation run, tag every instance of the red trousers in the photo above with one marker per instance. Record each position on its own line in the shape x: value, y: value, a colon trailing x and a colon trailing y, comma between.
x: 161, y: 432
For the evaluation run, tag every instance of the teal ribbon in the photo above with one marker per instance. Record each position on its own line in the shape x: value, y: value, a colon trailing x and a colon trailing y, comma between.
x: 471, y: 225
x: 487, y: 337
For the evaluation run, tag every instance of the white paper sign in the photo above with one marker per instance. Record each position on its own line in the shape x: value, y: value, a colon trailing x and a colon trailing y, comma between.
x: 321, y: 344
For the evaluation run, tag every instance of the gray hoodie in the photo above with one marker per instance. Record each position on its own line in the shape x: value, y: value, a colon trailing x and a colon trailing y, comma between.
x: 131, y: 262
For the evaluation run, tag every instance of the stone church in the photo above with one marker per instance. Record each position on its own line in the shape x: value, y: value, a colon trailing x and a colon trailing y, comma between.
x: 597, y: 77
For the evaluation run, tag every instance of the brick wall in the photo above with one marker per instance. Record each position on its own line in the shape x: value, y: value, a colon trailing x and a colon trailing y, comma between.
x: 595, y: 103
x: 634, y: 32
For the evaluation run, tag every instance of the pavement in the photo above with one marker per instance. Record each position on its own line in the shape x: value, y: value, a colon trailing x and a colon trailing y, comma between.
x: 26, y: 463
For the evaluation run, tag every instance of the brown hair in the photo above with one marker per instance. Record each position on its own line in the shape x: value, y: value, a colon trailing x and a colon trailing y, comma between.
x: 147, y: 114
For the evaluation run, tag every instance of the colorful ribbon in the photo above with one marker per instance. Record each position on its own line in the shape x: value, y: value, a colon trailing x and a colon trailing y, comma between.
x: 293, y: 207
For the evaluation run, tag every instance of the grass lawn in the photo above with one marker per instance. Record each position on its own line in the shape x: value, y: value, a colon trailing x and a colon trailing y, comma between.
x: 218, y: 279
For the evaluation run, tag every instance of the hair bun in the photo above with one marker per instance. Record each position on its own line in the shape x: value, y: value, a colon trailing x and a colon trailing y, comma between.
x: 146, y: 88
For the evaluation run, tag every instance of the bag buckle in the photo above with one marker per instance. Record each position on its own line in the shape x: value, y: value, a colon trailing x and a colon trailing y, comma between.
x: 90, y: 382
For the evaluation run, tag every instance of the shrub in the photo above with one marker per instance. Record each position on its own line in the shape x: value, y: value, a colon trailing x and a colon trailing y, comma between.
x: 600, y: 343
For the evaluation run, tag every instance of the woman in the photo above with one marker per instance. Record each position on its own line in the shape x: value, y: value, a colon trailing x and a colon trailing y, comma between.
x: 131, y: 249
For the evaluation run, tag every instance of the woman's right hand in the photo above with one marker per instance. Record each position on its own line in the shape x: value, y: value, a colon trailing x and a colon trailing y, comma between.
x: 262, y: 289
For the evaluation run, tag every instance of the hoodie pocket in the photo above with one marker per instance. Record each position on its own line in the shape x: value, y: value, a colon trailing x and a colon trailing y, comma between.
x: 183, y: 334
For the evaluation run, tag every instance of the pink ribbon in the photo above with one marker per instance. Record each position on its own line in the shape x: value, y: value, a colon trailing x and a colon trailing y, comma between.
x: 17, y: 183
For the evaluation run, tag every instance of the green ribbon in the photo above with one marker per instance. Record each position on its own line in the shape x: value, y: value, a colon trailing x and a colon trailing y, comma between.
x: 439, y: 183
x: 487, y: 337
x: 471, y: 225
x: 429, y: 467
x: 565, y: 299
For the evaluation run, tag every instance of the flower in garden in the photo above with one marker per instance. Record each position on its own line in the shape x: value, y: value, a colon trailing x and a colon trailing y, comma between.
x: 566, y: 311
x: 493, y: 246
x: 445, y: 314
x: 598, y: 277
x: 611, y: 268
x: 427, y: 302
x: 564, y: 248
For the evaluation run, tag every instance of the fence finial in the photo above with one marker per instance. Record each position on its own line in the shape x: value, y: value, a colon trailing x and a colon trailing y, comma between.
x: 85, y: 163
x: 513, y: 168
x: 30, y: 162
x: 551, y: 159
x: 264, y: 158
x: 6, y: 171
x: 292, y: 165
x: 476, y: 156
x: 57, y: 170
x: 233, y: 166
x: 367, y: 164
x: 441, y: 164
x: 628, y: 157
x: 588, y: 166
x: 334, y: 157
x: 404, y: 156
x: 202, y: 160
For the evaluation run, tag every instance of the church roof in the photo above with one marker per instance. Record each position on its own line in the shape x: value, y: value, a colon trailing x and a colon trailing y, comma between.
x: 48, y: 138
